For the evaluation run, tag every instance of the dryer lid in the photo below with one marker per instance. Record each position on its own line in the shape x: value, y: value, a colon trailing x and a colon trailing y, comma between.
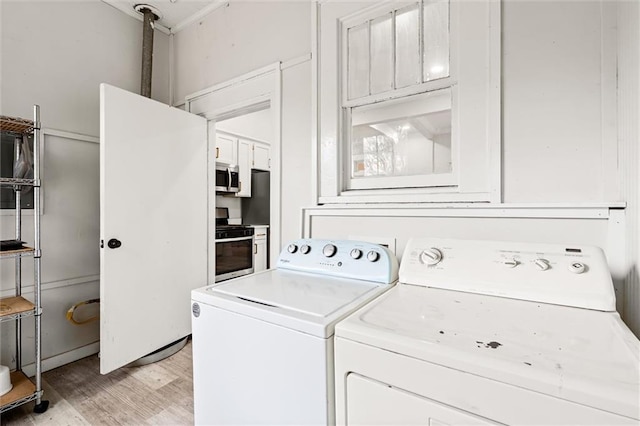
x: 586, y: 356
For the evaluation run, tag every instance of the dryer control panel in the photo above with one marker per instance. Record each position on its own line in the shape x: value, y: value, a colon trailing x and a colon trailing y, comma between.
x: 341, y: 258
x: 568, y: 275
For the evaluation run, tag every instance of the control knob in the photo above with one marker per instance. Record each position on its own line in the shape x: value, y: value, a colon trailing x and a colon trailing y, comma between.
x: 356, y: 253
x: 511, y: 263
x: 541, y: 264
x: 304, y: 249
x: 292, y: 248
x: 577, y: 267
x: 329, y: 250
x: 373, y: 256
x: 431, y: 256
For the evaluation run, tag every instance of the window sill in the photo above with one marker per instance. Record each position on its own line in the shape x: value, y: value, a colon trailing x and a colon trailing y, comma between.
x: 443, y: 194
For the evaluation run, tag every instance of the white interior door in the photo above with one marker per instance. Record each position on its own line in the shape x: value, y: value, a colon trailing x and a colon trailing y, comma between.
x: 153, y: 201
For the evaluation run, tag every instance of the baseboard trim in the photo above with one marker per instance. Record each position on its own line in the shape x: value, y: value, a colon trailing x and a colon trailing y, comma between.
x: 63, y: 358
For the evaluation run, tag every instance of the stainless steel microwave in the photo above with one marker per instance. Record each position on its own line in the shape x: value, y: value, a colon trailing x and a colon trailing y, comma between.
x: 227, y: 178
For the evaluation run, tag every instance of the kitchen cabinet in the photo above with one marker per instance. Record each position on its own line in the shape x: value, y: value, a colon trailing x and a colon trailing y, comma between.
x: 261, y: 156
x: 226, y: 149
x: 244, y: 162
x: 248, y: 154
x: 260, y: 248
x: 16, y: 308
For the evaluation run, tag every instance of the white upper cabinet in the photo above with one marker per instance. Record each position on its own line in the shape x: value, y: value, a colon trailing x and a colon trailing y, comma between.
x: 226, y: 149
x: 261, y: 156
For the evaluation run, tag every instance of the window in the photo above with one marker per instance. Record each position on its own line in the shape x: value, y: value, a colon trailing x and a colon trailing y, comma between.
x: 408, y: 101
x: 403, y: 141
x: 396, y: 53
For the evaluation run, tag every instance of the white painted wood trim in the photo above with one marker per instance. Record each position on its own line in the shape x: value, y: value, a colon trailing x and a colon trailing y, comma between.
x: 494, y: 118
x: 315, y: 88
x: 198, y: 15
x: 47, y: 131
x: 484, y: 206
x: 434, y: 195
x: 611, y: 173
x: 274, y: 99
x: 233, y: 81
x: 617, y: 255
x: 52, y: 285
x: 222, y: 113
x: 276, y: 165
x: 64, y: 358
x: 70, y: 135
x: 295, y: 61
x: 172, y: 74
x: 522, y: 211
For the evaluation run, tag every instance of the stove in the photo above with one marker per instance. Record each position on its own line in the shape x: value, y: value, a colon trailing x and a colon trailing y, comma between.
x: 233, y: 231
x: 234, y: 247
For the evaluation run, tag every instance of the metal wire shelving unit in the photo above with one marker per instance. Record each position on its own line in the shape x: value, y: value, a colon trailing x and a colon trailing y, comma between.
x: 16, y: 308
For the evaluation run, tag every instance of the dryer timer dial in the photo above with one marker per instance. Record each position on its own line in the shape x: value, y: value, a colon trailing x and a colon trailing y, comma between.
x: 431, y: 256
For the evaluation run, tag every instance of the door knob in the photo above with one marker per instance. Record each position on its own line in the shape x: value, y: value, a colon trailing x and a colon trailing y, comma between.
x: 114, y: 243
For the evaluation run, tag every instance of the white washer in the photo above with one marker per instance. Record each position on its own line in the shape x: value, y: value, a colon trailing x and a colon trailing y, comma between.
x: 490, y: 333
x: 263, y: 343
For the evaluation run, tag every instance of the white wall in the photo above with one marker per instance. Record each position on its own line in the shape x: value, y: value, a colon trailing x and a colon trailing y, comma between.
x: 255, y: 125
x: 629, y: 136
x: 558, y: 116
x: 237, y: 39
x: 55, y: 54
x: 296, y: 149
x: 558, y: 144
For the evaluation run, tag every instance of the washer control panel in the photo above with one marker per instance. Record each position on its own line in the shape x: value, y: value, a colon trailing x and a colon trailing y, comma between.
x: 568, y: 275
x: 341, y: 258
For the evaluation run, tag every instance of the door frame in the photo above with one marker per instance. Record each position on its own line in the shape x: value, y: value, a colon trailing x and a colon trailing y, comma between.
x: 240, y: 95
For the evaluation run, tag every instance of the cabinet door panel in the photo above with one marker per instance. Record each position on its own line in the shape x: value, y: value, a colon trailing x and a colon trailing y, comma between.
x: 226, y: 149
x: 261, y: 157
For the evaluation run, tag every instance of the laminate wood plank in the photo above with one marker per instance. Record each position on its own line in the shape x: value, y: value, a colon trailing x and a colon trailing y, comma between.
x: 159, y: 393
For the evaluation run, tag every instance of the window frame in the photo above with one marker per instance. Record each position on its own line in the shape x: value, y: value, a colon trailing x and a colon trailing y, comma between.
x: 449, y: 179
x: 477, y: 74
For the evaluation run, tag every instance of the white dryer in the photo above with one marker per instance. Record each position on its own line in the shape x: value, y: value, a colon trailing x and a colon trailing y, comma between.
x: 263, y: 343
x: 483, y: 332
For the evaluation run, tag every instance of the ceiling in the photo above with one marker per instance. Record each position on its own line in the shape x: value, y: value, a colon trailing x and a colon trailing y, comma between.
x: 174, y: 14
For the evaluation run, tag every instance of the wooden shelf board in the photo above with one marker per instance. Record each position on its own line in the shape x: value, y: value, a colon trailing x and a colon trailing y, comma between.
x: 15, y: 125
x: 22, y: 387
x: 16, y: 251
x: 14, y: 305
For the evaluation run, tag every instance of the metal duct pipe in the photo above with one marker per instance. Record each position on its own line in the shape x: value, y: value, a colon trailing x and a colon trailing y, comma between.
x: 147, y: 51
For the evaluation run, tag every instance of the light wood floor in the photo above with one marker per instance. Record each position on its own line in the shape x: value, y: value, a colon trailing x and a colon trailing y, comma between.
x: 159, y: 393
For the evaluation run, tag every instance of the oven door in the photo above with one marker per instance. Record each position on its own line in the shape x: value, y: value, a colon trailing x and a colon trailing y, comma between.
x: 234, y: 257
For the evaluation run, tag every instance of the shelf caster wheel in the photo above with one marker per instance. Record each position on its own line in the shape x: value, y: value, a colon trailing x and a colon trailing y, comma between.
x: 41, y: 408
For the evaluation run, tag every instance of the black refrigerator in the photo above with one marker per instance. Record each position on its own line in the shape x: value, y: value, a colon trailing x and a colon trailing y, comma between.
x: 255, y: 210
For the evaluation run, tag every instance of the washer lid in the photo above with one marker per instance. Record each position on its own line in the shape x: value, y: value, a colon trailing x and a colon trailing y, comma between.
x: 589, y: 357
x: 306, y: 302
